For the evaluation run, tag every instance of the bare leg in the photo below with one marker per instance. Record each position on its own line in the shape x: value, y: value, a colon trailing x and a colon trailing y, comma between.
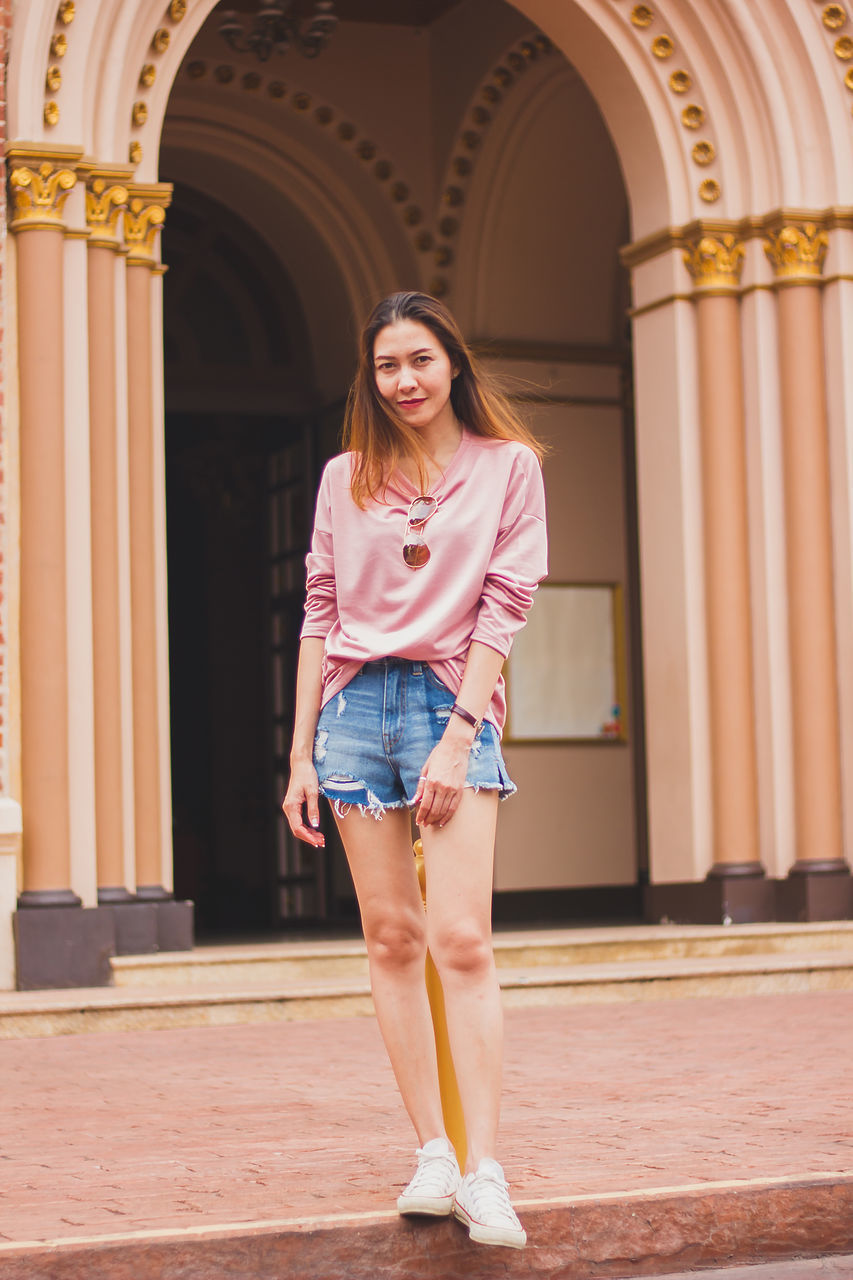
x: 392, y: 915
x: 459, y: 859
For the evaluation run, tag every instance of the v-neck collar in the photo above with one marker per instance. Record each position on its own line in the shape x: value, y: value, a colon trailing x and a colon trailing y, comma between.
x: 402, y: 482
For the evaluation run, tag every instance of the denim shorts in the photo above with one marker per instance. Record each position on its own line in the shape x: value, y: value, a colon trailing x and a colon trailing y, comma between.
x: 373, y: 739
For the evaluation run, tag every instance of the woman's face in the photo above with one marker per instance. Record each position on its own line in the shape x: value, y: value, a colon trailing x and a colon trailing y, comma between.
x: 413, y: 373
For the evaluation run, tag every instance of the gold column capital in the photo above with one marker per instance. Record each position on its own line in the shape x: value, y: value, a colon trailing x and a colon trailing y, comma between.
x: 106, y: 197
x: 39, y: 189
x: 797, y: 252
x: 715, y: 262
x: 143, y: 218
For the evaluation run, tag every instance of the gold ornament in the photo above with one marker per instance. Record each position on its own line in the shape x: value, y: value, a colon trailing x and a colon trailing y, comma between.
x: 104, y: 203
x: 703, y: 153
x: 66, y: 12
x: 438, y: 286
x: 139, y: 114
x: 223, y: 74
x: 715, y: 262
x: 642, y: 15
x: 276, y: 88
x: 399, y: 192
x: 177, y: 9
x: 53, y: 79
x: 196, y: 70
x: 848, y: 79
x: 679, y: 82
x: 443, y: 255
x: 301, y: 101
x: 160, y: 41
x: 143, y: 218
x: 844, y: 48
x: 710, y: 191
x: 59, y: 45
x: 693, y: 117
x: 148, y: 75
x: 39, y: 194
x: 134, y: 152
x: 798, y: 252
x: 504, y: 76
x: 51, y: 113
x: 663, y: 46
x: 834, y: 16
x: 366, y: 150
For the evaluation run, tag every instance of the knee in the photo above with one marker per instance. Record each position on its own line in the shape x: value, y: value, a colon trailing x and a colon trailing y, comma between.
x: 395, y: 941
x: 463, y: 948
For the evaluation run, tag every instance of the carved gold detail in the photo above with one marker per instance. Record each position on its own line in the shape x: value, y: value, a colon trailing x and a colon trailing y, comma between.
x: 642, y: 15
x: 223, y: 74
x: 680, y: 82
x: 797, y: 252
x: 177, y: 9
x: 139, y: 114
x: 454, y: 196
x: 104, y: 203
x: 399, y: 192
x: 39, y: 194
x: 481, y: 115
x: 470, y: 139
x: 693, y: 116
x: 51, y: 113
x: 462, y: 166
x: 715, y: 261
x: 704, y: 152
x: 134, y: 152
x: 710, y: 191
x: 196, y: 69
x: 443, y: 255
x: 844, y: 48
x: 834, y: 16
x: 148, y: 75
x: 491, y: 93
x: 301, y: 101
x: 848, y: 79
x: 160, y: 42
x: 366, y: 150
x: 276, y: 88
x: 66, y: 12
x: 663, y: 46
x: 143, y: 218
x: 53, y: 79
x: 59, y: 45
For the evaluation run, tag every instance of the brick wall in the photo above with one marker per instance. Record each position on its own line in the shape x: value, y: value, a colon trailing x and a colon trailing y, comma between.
x: 5, y: 25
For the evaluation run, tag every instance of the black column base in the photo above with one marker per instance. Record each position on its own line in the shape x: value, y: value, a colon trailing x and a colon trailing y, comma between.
x: 135, y: 925
x: 175, y: 925
x: 62, y: 946
x: 733, y: 893
x: 816, y: 891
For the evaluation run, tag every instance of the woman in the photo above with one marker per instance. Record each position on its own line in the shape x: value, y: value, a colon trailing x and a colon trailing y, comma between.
x: 429, y: 541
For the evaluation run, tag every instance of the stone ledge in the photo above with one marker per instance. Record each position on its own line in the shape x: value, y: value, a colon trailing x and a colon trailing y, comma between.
x: 645, y: 1233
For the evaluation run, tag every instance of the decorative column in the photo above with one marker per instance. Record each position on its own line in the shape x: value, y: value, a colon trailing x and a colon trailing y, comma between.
x: 736, y: 886
x: 144, y: 217
x: 58, y: 943
x: 819, y: 883
x: 106, y: 198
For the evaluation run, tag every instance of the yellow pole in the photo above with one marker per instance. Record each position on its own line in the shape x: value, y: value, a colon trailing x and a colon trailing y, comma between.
x: 451, y: 1103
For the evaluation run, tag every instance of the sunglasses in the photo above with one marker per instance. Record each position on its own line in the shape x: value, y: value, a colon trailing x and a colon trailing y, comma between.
x: 415, y: 550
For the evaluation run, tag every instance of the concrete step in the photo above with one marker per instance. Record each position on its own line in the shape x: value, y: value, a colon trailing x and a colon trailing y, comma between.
x: 653, y: 1232
x: 299, y: 961
x: 268, y: 998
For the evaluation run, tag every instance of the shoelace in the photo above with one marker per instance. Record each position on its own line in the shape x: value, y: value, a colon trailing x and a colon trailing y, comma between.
x: 490, y: 1198
x: 430, y: 1167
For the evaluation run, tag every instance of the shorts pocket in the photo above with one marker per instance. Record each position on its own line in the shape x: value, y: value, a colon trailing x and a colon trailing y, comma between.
x: 435, y: 682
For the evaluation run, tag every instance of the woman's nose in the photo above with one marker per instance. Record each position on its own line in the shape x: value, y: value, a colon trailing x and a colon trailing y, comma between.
x: 407, y: 378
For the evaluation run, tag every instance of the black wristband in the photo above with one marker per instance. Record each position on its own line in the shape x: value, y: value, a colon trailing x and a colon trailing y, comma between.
x: 466, y: 715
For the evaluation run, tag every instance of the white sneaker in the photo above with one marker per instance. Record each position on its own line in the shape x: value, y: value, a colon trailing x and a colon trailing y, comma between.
x: 435, y: 1183
x: 483, y: 1205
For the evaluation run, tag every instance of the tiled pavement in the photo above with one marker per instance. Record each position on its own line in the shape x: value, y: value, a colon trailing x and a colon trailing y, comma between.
x: 183, y: 1133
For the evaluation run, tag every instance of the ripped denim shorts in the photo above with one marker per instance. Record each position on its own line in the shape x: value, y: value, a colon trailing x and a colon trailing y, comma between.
x: 373, y: 739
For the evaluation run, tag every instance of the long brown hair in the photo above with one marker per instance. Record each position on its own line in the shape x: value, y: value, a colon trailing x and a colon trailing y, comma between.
x: 379, y: 438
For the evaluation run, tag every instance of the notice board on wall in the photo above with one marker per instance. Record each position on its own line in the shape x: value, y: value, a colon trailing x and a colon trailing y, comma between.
x: 566, y: 673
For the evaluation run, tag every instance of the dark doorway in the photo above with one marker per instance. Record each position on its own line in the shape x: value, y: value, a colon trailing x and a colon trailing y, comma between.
x: 246, y: 437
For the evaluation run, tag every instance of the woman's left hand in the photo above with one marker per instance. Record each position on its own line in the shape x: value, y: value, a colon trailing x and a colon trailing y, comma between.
x: 443, y: 778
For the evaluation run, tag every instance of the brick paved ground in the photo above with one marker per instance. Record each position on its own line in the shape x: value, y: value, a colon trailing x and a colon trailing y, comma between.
x: 163, y: 1129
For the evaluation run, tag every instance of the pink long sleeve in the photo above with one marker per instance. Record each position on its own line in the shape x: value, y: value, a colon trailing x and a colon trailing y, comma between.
x: 488, y: 553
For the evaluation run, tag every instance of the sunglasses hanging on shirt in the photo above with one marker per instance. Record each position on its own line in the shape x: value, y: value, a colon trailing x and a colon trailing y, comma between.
x: 416, y: 553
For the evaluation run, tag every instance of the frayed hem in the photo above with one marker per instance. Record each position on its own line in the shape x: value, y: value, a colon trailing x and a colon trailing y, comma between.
x: 374, y: 807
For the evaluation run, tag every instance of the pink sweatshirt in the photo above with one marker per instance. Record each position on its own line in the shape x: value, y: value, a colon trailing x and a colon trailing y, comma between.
x: 488, y: 553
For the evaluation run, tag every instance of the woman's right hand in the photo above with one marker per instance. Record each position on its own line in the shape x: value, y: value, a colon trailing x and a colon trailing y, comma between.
x: 303, y: 793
